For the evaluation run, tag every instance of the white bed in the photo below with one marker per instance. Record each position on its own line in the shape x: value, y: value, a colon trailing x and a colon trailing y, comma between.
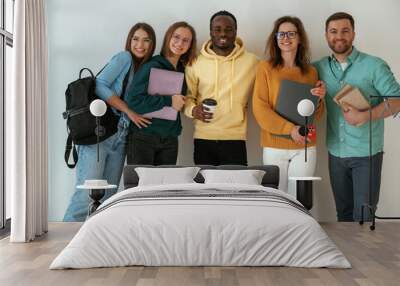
x: 224, y: 225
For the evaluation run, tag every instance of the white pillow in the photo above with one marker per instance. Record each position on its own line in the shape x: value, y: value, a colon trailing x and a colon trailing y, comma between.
x: 164, y: 176
x: 248, y: 177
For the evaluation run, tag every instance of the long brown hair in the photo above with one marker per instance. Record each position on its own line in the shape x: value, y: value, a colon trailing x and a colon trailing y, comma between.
x: 152, y: 35
x: 273, y: 51
x: 188, y: 57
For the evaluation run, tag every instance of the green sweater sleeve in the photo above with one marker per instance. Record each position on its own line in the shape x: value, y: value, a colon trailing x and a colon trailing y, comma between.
x: 138, y: 99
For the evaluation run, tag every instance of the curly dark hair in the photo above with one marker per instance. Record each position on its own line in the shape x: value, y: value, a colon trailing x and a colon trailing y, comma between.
x: 224, y: 13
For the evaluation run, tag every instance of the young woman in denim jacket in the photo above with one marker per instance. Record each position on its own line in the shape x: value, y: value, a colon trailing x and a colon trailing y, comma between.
x: 140, y: 45
x: 158, y: 143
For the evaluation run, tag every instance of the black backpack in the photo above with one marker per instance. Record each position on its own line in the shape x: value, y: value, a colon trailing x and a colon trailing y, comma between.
x: 81, y: 124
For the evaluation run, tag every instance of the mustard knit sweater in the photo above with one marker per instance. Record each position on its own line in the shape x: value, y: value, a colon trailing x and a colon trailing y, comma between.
x: 265, y: 97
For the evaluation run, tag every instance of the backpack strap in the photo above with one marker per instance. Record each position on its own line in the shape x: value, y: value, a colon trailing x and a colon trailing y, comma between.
x: 68, y: 148
x: 125, y: 82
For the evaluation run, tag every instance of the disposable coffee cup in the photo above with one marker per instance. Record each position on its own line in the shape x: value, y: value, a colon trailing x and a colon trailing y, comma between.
x: 209, y: 105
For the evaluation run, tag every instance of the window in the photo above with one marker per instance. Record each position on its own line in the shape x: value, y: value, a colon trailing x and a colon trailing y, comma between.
x: 6, y: 45
x: 9, y: 18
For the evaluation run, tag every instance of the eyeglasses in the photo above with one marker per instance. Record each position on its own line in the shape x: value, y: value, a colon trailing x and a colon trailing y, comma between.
x: 289, y: 35
x: 177, y: 38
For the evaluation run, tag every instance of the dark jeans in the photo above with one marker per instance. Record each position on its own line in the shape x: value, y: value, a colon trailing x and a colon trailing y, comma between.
x: 149, y: 149
x: 350, y: 185
x: 220, y: 152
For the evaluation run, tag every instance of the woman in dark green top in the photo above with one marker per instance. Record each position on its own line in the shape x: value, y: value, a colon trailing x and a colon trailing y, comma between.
x: 157, y: 144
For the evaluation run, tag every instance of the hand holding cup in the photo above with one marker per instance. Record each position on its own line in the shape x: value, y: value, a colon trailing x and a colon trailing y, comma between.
x: 205, y: 110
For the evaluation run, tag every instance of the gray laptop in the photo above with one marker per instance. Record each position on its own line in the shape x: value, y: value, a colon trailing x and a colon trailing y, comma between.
x: 290, y: 94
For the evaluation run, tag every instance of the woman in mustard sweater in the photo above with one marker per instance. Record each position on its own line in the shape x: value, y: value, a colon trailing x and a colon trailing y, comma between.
x: 288, y: 51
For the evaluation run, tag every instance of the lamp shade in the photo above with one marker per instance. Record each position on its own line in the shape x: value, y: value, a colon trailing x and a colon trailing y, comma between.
x: 305, y: 107
x: 98, y: 107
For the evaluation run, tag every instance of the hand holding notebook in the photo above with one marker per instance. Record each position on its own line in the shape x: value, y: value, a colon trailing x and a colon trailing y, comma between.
x: 168, y: 83
x: 352, y: 96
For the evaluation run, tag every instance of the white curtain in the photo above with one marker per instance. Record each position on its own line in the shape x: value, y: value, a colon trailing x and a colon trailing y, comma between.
x: 26, y: 118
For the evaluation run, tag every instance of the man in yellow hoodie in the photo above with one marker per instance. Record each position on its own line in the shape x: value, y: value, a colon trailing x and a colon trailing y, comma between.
x: 225, y: 72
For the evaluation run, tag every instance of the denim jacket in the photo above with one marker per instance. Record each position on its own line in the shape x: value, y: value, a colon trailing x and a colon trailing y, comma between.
x: 110, y: 80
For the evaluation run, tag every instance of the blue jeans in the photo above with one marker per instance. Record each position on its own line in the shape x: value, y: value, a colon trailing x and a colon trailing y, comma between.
x: 350, y: 185
x: 110, y: 165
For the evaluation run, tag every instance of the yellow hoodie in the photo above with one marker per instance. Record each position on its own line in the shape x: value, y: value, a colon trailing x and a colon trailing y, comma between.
x: 229, y: 80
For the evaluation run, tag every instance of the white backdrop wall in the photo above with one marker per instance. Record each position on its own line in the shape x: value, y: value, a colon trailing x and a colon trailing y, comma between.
x: 87, y: 33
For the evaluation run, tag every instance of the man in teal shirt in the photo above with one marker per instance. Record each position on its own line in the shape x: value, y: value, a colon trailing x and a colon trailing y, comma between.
x: 348, y: 130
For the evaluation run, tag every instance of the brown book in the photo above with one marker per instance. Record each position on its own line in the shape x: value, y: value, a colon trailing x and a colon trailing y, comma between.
x: 349, y: 95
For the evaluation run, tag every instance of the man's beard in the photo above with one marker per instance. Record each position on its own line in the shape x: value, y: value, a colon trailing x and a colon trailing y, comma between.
x: 342, y: 50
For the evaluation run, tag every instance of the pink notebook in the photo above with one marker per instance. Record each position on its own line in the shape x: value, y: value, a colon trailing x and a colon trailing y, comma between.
x: 164, y: 82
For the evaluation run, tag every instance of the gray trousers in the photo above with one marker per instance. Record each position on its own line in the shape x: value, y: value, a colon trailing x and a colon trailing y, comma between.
x: 350, y: 185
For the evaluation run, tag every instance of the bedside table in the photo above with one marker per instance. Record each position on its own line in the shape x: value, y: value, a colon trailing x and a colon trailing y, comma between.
x: 304, y: 190
x: 96, y: 193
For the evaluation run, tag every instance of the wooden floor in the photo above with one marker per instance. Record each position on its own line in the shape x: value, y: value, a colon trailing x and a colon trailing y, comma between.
x: 374, y: 255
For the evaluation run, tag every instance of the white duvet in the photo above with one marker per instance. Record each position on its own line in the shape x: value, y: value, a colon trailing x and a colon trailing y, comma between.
x: 200, y: 231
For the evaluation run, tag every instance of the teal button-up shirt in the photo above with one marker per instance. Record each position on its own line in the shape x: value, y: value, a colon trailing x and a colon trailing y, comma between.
x: 372, y: 76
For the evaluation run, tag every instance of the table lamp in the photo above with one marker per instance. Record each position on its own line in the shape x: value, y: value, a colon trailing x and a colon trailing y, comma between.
x: 305, y: 108
x: 98, y: 108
